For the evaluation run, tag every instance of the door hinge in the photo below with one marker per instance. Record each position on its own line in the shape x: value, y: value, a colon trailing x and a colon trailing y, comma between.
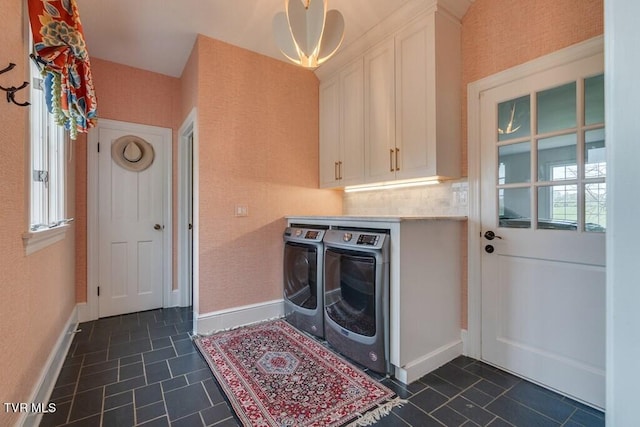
x: 98, y: 290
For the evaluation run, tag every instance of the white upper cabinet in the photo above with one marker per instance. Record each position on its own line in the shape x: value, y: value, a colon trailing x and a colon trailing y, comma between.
x: 379, y: 113
x: 428, y: 98
x: 342, y: 127
x: 329, y: 132
x: 410, y: 111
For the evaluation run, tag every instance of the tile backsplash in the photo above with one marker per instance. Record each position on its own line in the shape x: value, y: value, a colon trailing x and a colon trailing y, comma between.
x: 446, y: 199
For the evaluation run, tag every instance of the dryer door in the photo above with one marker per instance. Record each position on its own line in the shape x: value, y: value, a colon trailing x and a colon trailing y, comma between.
x: 350, y: 290
x: 300, y: 274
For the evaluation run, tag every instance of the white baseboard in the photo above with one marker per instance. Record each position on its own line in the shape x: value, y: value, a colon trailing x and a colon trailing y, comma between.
x: 84, y: 313
x: 429, y: 362
x: 175, y: 298
x: 51, y: 370
x: 237, y: 316
x: 465, y: 344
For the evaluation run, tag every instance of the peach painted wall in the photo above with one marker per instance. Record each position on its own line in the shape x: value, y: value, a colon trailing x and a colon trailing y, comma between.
x: 500, y: 34
x: 258, y: 146
x: 130, y: 95
x: 37, y: 291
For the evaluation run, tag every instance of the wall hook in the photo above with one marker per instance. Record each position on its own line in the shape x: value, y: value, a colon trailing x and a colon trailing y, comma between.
x: 11, y: 91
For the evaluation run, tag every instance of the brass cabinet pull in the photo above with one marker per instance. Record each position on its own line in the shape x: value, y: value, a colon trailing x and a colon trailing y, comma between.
x: 335, y: 171
x: 391, y: 160
x: 339, y: 169
x: 397, y: 164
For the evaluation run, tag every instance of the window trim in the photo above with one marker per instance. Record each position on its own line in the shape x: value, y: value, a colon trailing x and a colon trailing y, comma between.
x: 36, y: 240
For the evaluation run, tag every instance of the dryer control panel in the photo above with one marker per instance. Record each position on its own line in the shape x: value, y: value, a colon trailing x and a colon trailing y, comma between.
x: 356, y: 238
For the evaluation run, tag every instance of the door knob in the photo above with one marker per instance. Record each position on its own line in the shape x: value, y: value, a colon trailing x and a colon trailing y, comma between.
x: 490, y: 235
x: 158, y: 227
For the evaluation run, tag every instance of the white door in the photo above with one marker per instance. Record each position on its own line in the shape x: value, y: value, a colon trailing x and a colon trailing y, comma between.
x: 543, y: 214
x: 132, y: 219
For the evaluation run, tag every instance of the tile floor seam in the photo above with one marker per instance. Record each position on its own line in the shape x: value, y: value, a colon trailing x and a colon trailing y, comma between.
x: 73, y: 397
x: 449, y: 407
x: 104, y: 392
x: 164, y: 402
x: 206, y: 394
x: 536, y: 411
x: 451, y: 399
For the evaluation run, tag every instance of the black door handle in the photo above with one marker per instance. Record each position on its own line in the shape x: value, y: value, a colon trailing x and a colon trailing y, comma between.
x: 490, y: 235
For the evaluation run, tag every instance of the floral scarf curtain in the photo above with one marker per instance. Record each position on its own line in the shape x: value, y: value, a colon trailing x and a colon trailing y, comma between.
x: 61, y: 54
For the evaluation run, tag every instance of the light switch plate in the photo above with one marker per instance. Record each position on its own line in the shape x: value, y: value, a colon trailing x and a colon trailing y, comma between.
x: 242, y: 210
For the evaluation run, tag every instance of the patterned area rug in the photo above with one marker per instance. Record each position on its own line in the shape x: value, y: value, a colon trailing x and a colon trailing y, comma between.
x: 274, y: 375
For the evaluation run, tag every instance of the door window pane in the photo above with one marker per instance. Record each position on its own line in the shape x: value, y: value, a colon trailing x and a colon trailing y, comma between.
x: 595, y: 207
x: 557, y: 108
x: 514, y: 118
x: 595, y: 162
x: 594, y: 100
x: 514, y: 207
x: 558, y: 207
x: 557, y: 158
x: 514, y: 163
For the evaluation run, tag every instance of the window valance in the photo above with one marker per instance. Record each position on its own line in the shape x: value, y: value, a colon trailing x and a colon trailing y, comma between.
x: 61, y: 53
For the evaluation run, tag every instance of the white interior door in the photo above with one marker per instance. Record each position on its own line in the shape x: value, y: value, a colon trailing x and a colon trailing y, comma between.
x: 543, y: 216
x: 132, y: 214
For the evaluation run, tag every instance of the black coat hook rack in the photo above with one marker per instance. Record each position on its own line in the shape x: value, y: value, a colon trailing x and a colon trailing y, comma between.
x: 11, y: 91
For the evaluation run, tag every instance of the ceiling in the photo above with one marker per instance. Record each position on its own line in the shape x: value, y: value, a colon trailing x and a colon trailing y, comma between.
x: 159, y: 35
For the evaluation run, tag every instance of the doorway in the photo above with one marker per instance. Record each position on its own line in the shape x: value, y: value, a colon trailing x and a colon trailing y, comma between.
x: 537, y: 224
x: 187, y: 223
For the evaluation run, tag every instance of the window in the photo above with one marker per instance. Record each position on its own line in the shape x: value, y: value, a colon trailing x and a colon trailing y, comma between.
x: 552, y: 158
x: 46, y: 178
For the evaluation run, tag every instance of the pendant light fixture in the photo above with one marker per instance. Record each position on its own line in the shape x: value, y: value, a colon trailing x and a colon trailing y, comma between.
x: 306, y: 33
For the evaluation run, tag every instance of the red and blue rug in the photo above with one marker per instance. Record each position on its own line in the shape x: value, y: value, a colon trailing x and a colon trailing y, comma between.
x: 274, y: 375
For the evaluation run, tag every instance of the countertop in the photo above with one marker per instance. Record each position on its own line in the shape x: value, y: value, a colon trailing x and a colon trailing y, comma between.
x: 360, y: 218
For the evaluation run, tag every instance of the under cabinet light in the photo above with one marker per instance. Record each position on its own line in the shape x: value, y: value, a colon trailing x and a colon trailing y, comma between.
x: 392, y: 185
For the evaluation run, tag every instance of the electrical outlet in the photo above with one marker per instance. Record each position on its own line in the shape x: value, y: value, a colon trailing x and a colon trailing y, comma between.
x: 460, y: 194
x: 242, y: 210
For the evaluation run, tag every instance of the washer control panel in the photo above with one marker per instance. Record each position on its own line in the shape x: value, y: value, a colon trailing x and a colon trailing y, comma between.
x: 303, y: 234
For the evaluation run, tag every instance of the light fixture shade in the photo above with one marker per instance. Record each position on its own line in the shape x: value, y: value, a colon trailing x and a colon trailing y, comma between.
x: 306, y: 33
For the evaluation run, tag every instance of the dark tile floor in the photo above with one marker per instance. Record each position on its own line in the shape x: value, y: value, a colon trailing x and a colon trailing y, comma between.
x: 143, y: 369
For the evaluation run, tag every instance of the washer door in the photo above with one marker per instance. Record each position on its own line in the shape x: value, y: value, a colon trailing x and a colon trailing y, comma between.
x: 350, y: 290
x: 300, y: 274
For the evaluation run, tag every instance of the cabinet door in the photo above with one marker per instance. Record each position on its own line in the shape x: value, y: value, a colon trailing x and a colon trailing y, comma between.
x: 415, y: 102
x: 381, y: 153
x: 351, y: 168
x: 329, y: 132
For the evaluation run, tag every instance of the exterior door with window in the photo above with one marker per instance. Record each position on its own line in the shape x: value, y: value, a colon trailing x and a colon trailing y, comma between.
x: 543, y: 215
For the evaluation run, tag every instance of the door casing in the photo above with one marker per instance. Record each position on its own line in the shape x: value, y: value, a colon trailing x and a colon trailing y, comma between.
x: 90, y: 311
x: 473, y: 342
x: 188, y: 194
